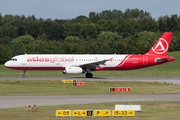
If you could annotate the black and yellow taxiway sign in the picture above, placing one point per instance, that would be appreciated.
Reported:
(123, 113)
(63, 113)
(68, 81)
(102, 113)
(82, 113)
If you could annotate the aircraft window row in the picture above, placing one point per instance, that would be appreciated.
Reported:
(125, 60)
(87, 60)
(112, 60)
(13, 59)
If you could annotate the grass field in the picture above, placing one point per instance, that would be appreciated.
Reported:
(37, 87)
(167, 69)
(150, 111)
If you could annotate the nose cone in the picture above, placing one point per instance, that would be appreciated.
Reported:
(7, 64)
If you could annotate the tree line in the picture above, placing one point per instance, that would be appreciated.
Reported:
(133, 31)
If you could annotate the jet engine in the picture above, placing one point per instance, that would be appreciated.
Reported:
(73, 70)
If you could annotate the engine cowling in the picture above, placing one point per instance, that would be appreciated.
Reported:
(73, 70)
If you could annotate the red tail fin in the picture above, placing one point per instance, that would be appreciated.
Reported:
(162, 45)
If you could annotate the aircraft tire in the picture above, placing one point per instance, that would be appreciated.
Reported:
(23, 76)
(89, 75)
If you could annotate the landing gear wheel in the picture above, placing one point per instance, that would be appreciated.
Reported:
(23, 76)
(89, 75)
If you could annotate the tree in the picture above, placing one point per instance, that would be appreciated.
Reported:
(147, 24)
(120, 47)
(173, 23)
(66, 48)
(16, 47)
(93, 17)
(123, 27)
(21, 30)
(5, 53)
(26, 39)
(178, 42)
(7, 19)
(109, 36)
(72, 39)
(162, 24)
(1, 18)
(9, 30)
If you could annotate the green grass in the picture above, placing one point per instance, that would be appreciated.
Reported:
(40, 87)
(168, 69)
(150, 111)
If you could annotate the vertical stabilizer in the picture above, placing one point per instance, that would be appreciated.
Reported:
(162, 45)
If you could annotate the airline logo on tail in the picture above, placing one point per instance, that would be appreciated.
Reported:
(161, 46)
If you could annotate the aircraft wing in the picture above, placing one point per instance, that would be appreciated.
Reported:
(93, 65)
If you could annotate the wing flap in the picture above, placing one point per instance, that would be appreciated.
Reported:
(94, 65)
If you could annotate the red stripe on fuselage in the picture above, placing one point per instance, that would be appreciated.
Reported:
(123, 61)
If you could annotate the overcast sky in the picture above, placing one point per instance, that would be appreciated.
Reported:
(68, 9)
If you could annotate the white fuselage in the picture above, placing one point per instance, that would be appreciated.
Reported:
(61, 60)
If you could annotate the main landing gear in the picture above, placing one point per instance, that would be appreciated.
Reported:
(24, 74)
(89, 75)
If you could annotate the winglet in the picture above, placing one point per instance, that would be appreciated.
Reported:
(162, 45)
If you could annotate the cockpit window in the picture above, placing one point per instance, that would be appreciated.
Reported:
(13, 59)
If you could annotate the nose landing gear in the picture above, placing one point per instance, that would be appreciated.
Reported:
(24, 74)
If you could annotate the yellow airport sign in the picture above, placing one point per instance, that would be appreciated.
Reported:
(63, 113)
(79, 112)
(82, 113)
(68, 81)
(102, 112)
(123, 113)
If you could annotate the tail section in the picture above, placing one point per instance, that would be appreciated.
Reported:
(162, 45)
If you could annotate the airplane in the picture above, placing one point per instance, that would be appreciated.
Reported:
(85, 63)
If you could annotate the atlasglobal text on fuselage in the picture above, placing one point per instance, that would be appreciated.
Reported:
(85, 63)
(51, 59)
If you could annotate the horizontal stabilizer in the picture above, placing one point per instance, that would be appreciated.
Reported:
(163, 59)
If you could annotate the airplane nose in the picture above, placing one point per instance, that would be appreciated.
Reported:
(6, 64)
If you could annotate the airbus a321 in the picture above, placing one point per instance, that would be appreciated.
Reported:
(85, 63)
